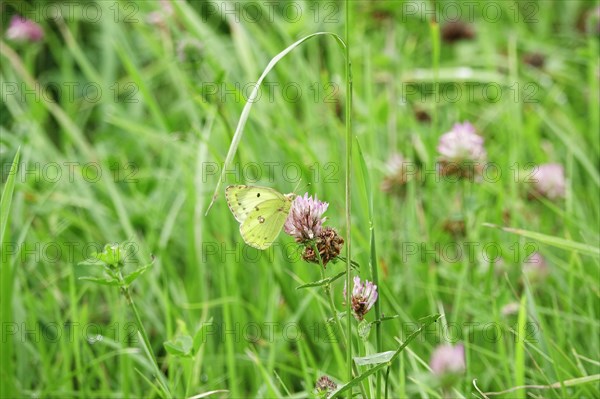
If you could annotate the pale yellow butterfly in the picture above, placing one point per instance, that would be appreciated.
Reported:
(261, 211)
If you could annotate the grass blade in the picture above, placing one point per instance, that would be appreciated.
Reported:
(6, 280)
(239, 130)
(7, 194)
(551, 240)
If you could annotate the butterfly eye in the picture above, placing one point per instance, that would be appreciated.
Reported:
(257, 195)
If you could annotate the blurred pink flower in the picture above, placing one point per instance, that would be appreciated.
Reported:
(24, 30)
(398, 172)
(461, 144)
(535, 268)
(364, 297)
(160, 16)
(304, 222)
(448, 359)
(510, 309)
(549, 181)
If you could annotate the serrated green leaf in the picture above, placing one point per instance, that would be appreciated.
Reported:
(376, 358)
(135, 274)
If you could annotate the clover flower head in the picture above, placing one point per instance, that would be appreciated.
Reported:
(448, 359)
(159, 17)
(305, 220)
(325, 386)
(461, 144)
(364, 297)
(549, 181)
(24, 30)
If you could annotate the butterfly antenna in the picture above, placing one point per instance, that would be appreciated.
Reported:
(297, 185)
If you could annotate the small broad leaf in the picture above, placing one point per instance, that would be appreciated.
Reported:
(101, 280)
(180, 346)
(364, 329)
(376, 358)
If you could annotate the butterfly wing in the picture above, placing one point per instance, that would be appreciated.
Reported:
(263, 224)
(242, 199)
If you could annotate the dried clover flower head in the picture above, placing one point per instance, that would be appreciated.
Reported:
(329, 244)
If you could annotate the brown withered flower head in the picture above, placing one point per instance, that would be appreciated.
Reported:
(328, 242)
(454, 31)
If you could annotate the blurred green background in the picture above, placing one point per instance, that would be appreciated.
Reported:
(124, 112)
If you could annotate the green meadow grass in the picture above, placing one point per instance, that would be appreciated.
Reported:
(139, 144)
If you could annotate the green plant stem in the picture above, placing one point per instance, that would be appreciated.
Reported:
(159, 375)
(327, 289)
(333, 309)
(378, 329)
(348, 192)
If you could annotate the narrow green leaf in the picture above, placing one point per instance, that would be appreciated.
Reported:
(324, 281)
(7, 195)
(199, 336)
(520, 347)
(365, 177)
